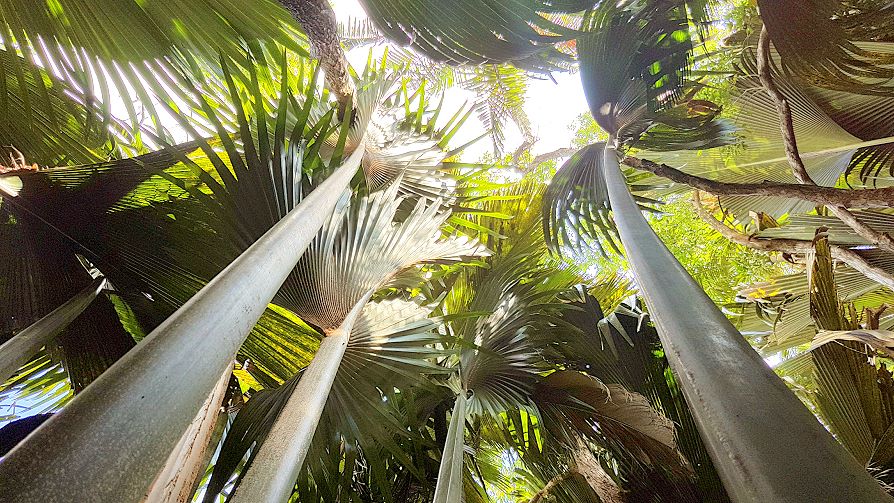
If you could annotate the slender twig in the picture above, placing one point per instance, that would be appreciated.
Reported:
(880, 239)
(865, 198)
(791, 246)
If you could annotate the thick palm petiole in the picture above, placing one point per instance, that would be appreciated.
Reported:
(97, 426)
(765, 444)
(272, 474)
(450, 474)
(18, 350)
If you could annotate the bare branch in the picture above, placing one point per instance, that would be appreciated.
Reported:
(880, 239)
(791, 246)
(782, 107)
(866, 198)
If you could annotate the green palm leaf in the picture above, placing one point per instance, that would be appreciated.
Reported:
(478, 32)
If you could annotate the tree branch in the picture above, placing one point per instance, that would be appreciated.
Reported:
(317, 19)
(782, 107)
(555, 154)
(791, 246)
(864, 198)
(880, 239)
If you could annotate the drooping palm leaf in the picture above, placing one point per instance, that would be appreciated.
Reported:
(622, 348)
(832, 60)
(478, 32)
(616, 412)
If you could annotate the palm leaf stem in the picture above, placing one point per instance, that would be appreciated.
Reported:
(792, 246)
(765, 444)
(449, 488)
(18, 350)
(95, 431)
(865, 198)
(880, 239)
(186, 465)
(274, 470)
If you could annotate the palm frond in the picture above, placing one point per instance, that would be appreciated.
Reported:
(360, 249)
(576, 208)
(575, 205)
(803, 227)
(476, 33)
(633, 63)
(833, 60)
(615, 411)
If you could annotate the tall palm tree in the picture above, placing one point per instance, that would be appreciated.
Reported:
(224, 217)
(634, 63)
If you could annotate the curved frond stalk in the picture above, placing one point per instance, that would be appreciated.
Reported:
(449, 488)
(22, 347)
(757, 459)
(390, 347)
(280, 458)
(117, 465)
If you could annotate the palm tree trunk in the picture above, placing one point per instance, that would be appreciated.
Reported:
(585, 464)
(274, 470)
(602, 484)
(765, 444)
(553, 482)
(18, 350)
(319, 24)
(178, 479)
(112, 440)
(449, 488)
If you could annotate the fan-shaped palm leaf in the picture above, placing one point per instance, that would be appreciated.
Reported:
(478, 32)
(834, 59)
